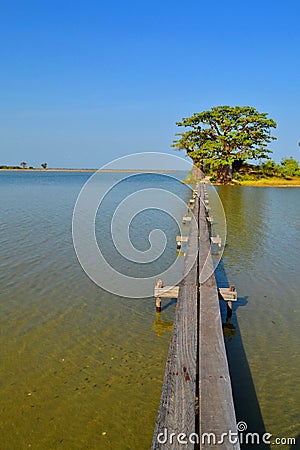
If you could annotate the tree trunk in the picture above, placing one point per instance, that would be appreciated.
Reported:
(224, 173)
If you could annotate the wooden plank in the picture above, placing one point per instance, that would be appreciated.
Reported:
(177, 409)
(216, 240)
(197, 339)
(166, 292)
(182, 238)
(159, 284)
(228, 294)
(216, 408)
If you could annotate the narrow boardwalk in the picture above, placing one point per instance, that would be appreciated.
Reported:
(196, 406)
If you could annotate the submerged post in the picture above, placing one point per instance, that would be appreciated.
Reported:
(159, 284)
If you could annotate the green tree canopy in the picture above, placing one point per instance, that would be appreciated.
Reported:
(289, 167)
(225, 135)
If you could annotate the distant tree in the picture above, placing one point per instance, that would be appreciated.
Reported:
(225, 136)
(289, 167)
(270, 168)
(44, 165)
(23, 165)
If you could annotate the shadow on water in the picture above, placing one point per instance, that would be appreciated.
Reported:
(245, 399)
(297, 444)
(172, 301)
(160, 326)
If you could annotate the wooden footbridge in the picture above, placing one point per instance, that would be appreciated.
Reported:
(196, 408)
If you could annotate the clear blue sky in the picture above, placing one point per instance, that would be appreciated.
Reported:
(84, 82)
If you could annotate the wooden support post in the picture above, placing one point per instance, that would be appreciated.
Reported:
(229, 310)
(186, 219)
(159, 284)
(229, 295)
(167, 292)
(158, 304)
(217, 240)
(180, 239)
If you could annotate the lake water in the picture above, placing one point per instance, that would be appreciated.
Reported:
(82, 368)
(262, 258)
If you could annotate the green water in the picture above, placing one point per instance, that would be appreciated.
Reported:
(262, 259)
(80, 368)
(83, 369)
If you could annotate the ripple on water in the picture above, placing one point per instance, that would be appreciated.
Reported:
(81, 368)
(261, 259)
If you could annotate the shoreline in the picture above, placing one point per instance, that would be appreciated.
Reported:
(47, 170)
(265, 182)
(65, 170)
(94, 170)
(258, 184)
(270, 185)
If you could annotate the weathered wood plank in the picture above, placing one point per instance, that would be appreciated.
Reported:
(196, 344)
(177, 409)
(216, 408)
(166, 291)
(216, 240)
(228, 294)
(182, 238)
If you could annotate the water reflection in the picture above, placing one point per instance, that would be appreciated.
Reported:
(160, 326)
(228, 328)
(262, 259)
(245, 210)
